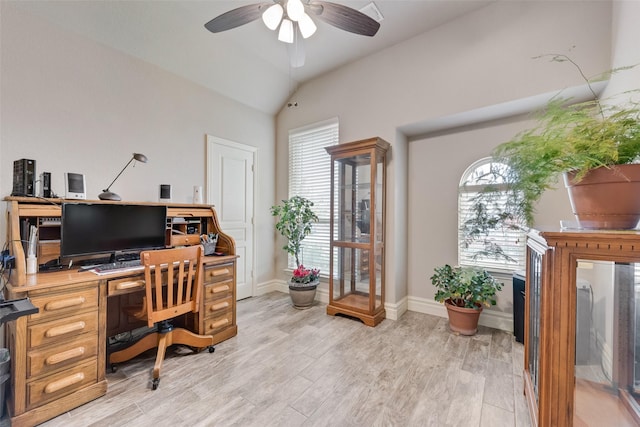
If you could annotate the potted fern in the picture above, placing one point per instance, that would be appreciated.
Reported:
(295, 218)
(588, 144)
(464, 291)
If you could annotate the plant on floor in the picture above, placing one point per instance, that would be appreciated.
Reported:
(295, 217)
(569, 138)
(464, 290)
(466, 287)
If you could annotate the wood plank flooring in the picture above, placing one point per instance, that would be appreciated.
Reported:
(290, 368)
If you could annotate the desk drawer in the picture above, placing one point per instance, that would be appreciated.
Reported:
(126, 285)
(217, 307)
(64, 303)
(55, 386)
(216, 324)
(53, 358)
(219, 290)
(185, 239)
(62, 329)
(218, 273)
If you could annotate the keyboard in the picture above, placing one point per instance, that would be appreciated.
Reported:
(120, 265)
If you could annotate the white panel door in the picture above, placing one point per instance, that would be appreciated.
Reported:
(230, 175)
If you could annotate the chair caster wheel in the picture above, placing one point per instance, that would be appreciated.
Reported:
(211, 349)
(155, 383)
(114, 368)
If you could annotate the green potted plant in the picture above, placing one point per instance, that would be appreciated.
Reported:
(585, 143)
(295, 218)
(464, 291)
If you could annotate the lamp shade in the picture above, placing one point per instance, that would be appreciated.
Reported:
(286, 31)
(307, 26)
(272, 16)
(295, 9)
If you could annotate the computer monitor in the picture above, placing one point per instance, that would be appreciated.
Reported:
(95, 228)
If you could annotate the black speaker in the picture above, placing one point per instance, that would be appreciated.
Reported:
(165, 192)
(519, 301)
(24, 172)
(45, 180)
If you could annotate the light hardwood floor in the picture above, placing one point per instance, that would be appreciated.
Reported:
(303, 368)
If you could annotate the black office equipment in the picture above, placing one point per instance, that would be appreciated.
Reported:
(24, 172)
(95, 228)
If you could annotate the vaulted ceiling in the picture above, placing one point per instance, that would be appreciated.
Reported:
(248, 63)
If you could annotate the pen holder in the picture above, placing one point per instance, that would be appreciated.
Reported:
(210, 247)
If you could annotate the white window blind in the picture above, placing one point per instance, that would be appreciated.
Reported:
(512, 240)
(310, 177)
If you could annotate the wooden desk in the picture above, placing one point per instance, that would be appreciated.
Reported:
(59, 355)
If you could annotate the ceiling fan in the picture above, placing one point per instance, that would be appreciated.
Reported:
(294, 19)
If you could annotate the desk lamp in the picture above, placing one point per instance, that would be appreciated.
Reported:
(108, 195)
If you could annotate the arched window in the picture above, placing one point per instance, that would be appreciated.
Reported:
(501, 249)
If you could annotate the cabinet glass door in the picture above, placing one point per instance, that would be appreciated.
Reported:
(352, 245)
(607, 344)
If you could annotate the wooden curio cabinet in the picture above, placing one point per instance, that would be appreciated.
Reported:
(356, 285)
(582, 328)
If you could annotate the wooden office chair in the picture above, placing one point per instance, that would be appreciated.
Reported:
(172, 285)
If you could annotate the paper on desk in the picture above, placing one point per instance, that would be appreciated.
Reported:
(33, 236)
(117, 270)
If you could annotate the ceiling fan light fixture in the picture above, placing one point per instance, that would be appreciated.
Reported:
(272, 16)
(286, 31)
(295, 9)
(307, 26)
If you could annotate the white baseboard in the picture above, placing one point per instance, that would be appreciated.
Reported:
(490, 318)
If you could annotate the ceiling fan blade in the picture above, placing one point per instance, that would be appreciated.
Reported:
(236, 17)
(296, 49)
(344, 17)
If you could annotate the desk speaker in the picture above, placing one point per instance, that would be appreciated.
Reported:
(165, 193)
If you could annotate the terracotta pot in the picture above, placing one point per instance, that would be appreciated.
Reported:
(463, 320)
(302, 297)
(606, 198)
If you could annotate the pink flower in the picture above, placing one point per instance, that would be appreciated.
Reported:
(304, 275)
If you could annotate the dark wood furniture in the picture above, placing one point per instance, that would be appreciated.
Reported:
(59, 354)
(588, 378)
(358, 176)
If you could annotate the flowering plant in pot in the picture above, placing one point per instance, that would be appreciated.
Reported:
(295, 218)
(305, 276)
(464, 291)
(577, 142)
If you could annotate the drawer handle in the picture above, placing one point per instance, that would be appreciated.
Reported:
(220, 305)
(218, 323)
(64, 329)
(65, 382)
(220, 272)
(218, 289)
(130, 285)
(65, 355)
(65, 303)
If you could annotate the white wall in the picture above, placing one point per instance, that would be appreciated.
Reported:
(75, 105)
(625, 52)
(478, 60)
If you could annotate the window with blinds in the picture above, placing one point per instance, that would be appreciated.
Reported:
(510, 240)
(310, 177)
